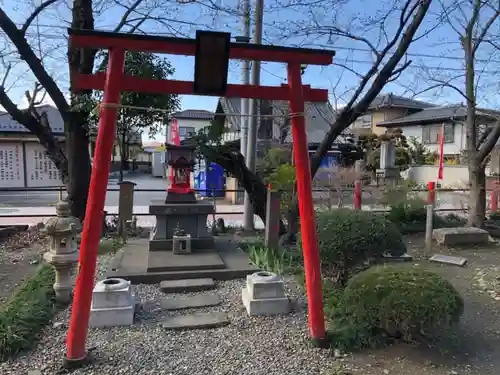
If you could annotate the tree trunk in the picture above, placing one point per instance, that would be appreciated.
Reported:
(79, 168)
(477, 198)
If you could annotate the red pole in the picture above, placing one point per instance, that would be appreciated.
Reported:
(431, 192)
(77, 333)
(357, 195)
(493, 201)
(306, 207)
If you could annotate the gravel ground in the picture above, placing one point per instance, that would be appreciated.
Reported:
(247, 346)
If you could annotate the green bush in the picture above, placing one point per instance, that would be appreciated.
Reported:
(347, 239)
(27, 311)
(394, 302)
(283, 180)
(410, 216)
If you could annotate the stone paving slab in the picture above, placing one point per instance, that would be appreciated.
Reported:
(448, 259)
(196, 321)
(167, 261)
(187, 285)
(460, 236)
(131, 263)
(190, 302)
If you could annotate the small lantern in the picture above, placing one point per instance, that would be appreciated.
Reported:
(182, 160)
(63, 248)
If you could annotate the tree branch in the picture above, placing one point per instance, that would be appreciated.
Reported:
(484, 31)
(28, 55)
(35, 14)
(488, 144)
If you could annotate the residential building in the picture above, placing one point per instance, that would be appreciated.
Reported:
(386, 107)
(426, 124)
(23, 160)
(275, 122)
(190, 121)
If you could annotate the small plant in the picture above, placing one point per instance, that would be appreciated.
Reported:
(348, 239)
(279, 261)
(179, 232)
(27, 311)
(394, 302)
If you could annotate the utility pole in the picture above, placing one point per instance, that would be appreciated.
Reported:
(248, 223)
(245, 76)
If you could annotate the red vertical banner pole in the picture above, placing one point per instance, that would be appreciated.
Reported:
(306, 207)
(92, 227)
(494, 197)
(357, 195)
(431, 192)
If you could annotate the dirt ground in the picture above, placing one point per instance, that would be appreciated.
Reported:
(19, 258)
(473, 347)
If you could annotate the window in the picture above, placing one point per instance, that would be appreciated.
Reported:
(431, 133)
(185, 131)
(364, 121)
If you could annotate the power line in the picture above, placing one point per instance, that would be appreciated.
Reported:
(357, 49)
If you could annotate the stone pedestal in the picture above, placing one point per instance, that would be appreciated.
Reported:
(113, 304)
(264, 294)
(191, 217)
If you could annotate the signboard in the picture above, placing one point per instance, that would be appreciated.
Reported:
(11, 165)
(40, 170)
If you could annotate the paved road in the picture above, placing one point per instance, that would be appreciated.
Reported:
(48, 198)
(142, 198)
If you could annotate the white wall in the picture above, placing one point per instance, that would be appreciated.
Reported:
(11, 165)
(454, 148)
(454, 176)
(39, 171)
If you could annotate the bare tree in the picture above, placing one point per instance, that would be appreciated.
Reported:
(388, 64)
(73, 160)
(472, 21)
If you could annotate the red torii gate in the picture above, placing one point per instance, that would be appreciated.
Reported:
(212, 51)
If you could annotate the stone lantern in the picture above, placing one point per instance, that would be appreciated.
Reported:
(63, 249)
(182, 160)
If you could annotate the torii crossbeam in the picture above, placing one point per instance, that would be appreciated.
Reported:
(212, 51)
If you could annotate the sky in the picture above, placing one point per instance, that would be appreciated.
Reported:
(435, 56)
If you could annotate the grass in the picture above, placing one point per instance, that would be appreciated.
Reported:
(26, 313)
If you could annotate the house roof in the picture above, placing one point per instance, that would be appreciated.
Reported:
(194, 114)
(396, 101)
(436, 114)
(319, 116)
(9, 125)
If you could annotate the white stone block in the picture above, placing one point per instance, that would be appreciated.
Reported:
(115, 317)
(264, 294)
(113, 304)
(265, 307)
(112, 293)
(261, 285)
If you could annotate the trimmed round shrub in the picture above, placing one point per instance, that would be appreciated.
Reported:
(400, 302)
(348, 238)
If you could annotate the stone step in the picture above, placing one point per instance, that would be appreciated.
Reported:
(190, 302)
(186, 285)
(196, 321)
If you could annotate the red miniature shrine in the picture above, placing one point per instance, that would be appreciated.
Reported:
(181, 160)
